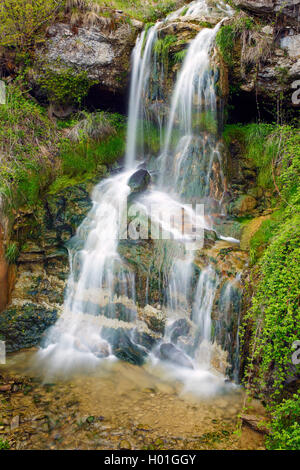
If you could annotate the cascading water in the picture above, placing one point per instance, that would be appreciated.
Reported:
(100, 298)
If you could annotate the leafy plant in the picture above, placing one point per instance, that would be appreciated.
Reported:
(285, 430)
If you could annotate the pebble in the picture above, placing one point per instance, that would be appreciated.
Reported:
(15, 422)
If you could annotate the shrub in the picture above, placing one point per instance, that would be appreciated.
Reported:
(21, 22)
(285, 429)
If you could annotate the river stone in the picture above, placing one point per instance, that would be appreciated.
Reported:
(139, 181)
(123, 347)
(169, 352)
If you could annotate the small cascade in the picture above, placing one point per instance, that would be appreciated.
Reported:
(102, 317)
(139, 89)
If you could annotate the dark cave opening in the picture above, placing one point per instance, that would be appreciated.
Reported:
(101, 99)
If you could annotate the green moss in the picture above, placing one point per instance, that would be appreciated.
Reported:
(139, 9)
(65, 86)
(225, 41)
(179, 56)
(83, 158)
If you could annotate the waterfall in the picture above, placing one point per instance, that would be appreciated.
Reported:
(101, 293)
(141, 70)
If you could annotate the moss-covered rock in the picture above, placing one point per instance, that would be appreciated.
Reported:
(23, 327)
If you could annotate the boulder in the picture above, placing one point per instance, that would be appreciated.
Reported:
(287, 8)
(123, 347)
(102, 52)
(139, 181)
(169, 352)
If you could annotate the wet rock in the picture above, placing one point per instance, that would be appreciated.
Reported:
(123, 347)
(179, 328)
(169, 352)
(155, 319)
(23, 327)
(101, 349)
(139, 181)
(256, 423)
(144, 339)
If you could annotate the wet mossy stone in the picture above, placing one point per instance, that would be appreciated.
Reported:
(139, 181)
(66, 210)
(123, 347)
(23, 327)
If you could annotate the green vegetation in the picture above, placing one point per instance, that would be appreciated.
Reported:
(225, 41)
(149, 10)
(28, 141)
(4, 445)
(96, 140)
(37, 155)
(285, 425)
(65, 86)
(12, 253)
(274, 314)
(22, 22)
(260, 144)
(179, 56)
(162, 47)
(254, 45)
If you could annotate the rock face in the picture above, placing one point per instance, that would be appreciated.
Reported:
(288, 8)
(43, 267)
(103, 54)
(24, 327)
